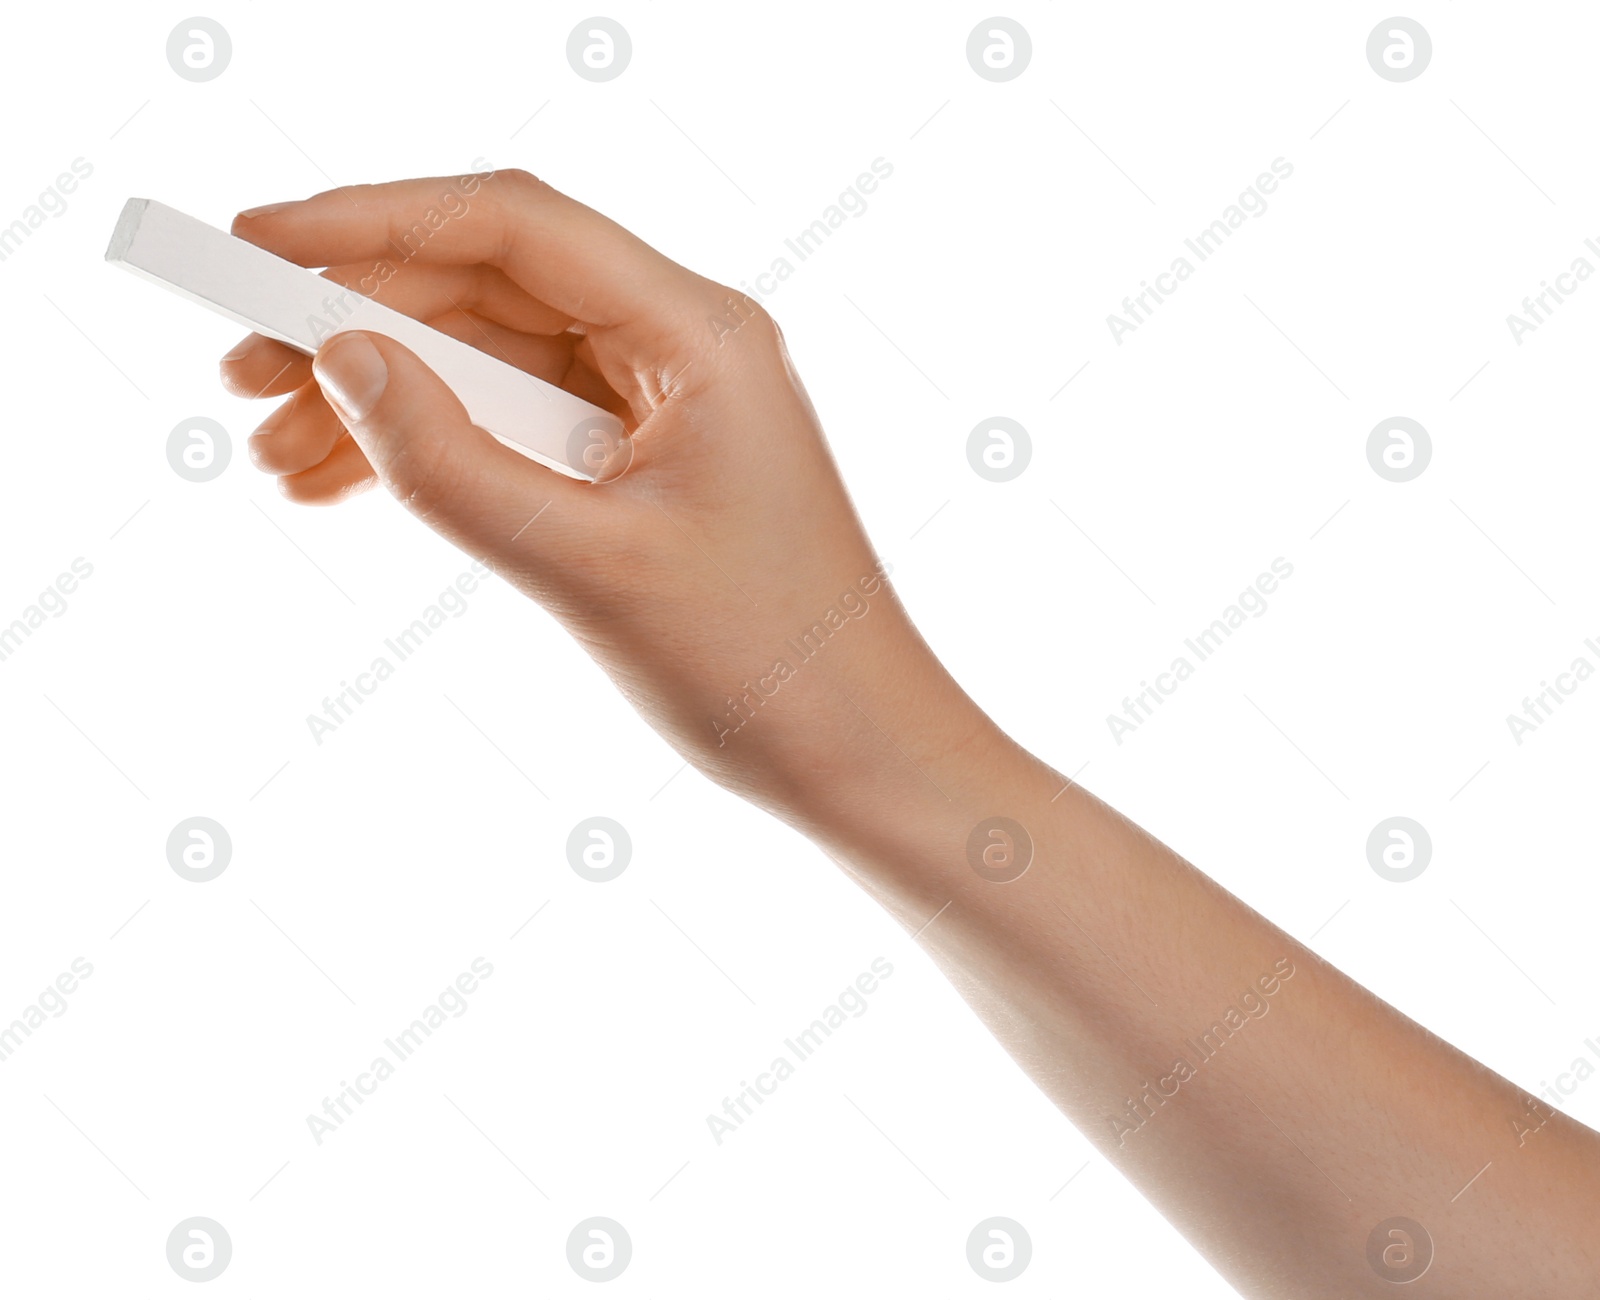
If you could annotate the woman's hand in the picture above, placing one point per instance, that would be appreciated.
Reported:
(718, 571)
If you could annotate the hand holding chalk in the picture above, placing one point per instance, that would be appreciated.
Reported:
(719, 546)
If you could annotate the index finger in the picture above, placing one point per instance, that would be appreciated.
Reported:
(560, 251)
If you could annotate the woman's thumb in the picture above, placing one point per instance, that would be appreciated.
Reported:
(452, 475)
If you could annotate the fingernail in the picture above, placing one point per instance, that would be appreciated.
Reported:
(276, 419)
(351, 373)
(243, 348)
(267, 209)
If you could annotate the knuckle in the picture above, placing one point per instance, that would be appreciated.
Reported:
(509, 194)
(513, 187)
(515, 178)
(735, 316)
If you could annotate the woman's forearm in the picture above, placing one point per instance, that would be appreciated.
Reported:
(1278, 1113)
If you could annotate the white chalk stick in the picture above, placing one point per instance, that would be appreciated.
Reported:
(302, 309)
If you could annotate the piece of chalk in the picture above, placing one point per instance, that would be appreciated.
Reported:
(302, 309)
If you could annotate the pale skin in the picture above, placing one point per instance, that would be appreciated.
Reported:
(722, 529)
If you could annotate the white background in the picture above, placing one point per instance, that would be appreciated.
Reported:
(370, 870)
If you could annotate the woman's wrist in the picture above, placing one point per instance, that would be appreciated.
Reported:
(914, 767)
(865, 744)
